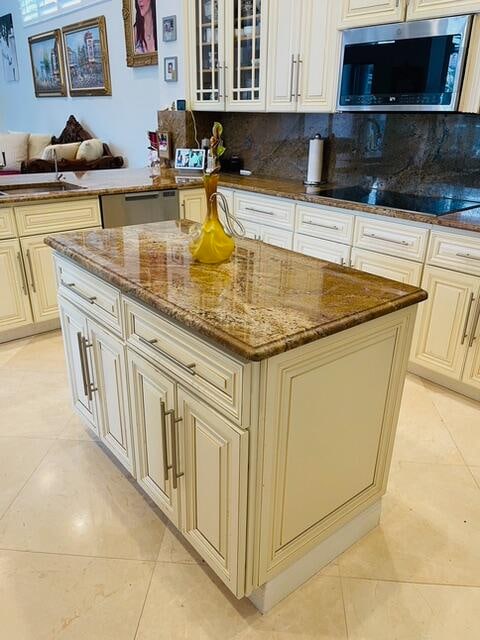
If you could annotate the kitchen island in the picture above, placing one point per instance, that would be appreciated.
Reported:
(254, 401)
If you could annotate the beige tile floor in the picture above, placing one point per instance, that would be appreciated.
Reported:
(84, 555)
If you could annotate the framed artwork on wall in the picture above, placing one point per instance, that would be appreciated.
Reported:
(48, 67)
(169, 28)
(140, 23)
(8, 50)
(86, 50)
(170, 69)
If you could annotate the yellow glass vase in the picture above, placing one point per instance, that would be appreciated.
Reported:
(213, 245)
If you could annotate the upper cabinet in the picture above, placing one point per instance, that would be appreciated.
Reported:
(228, 62)
(304, 47)
(365, 13)
(425, 9)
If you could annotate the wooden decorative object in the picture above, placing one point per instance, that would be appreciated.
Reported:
(136, 57)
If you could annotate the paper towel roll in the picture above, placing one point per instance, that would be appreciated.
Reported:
(315, 161)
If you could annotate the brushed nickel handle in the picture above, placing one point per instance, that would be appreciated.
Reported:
(322, 226)
(292, 76)
(163, 421)
(474, 326)
(30, 266)
(225, 77)
(82, 362)
(220, 90)
(468, 255)
(300, 62)
(22, 273)
(189, 368)
(268, 213)
(404, 243)
(173, 434)
(71, 286)
(89, 386)
(465, 328)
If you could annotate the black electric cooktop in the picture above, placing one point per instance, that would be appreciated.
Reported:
(407, 202)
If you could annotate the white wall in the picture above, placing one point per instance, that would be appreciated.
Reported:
(121, 119)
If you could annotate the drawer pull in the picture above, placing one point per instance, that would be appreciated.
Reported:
(474, 326)
(465, 328)
(468, 255)
(322, 226)
(404, 243)
(269, 213)
(189, 368)
(71, 286)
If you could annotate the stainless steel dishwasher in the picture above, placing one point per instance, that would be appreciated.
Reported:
(123, 209)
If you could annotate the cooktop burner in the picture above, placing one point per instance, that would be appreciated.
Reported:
(405, 201)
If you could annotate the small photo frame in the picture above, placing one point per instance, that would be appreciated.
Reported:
(170, 69)
(164, 144)
(169, 28)
(190, 159)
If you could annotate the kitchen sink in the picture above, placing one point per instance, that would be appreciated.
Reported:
(37, 188)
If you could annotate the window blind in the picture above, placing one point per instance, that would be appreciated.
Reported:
(36, 10)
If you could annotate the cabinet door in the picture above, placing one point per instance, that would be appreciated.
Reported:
(110, 383)
(441, 332)
(206, 58)
(193, 204)
(424, 9)
(42, 282)
(364, 13)
(215, 464)
(471, 374)
(277, 237)
(246, 33)
(318, 65)
(152, 396)
(283, 48)
(323, 249)
(77, 354)
(14, 303)
(252, 229)
(387, 266)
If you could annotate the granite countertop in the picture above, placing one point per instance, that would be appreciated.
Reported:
(264, 301)
(96, 183)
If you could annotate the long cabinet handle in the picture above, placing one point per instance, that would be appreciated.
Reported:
(220, 90)
(83, 363)
(225, 80)
(465, 328)
(476, 318)
(269, 213)
(30, 266)
(22, 273)
(322, 226)
(163, 419)
(467, 255)
(404, 243)
(71, 286)
(292, 78)
(189, 368)
(173, 436)
(299, 67)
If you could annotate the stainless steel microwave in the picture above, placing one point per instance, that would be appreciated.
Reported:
(409, 66)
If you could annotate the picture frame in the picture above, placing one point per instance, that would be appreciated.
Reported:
(170, 69)
(86, 54)
(164, 144)
(8, 49)
(141, 46)
(169, 28)
(190, 159)
(48, 64)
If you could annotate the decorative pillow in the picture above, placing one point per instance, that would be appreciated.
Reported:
(90, 150)
(15, 146)
(64, 151)
(37, 144)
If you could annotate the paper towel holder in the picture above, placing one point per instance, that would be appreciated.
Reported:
(314, 173)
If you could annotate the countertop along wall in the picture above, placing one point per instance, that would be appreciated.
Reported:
(121, 120)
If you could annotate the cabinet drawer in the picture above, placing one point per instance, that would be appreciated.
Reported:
(392, 238)
(7, 224)
(87, 291)
(323, 249)
(325, 223)
(53, 217)
(387, 266)
(272, 211)
(457, 252)
(201, 366)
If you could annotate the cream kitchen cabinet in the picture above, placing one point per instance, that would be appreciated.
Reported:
(227, 54)
(425, 9)
(14, 301)
(41, 279)
(387, 266)
(323, 249)
(471, 373)
(365, 13)
(303, 39)
(193, 204)
(267, 234)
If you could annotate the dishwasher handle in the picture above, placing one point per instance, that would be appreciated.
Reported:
(148, 195)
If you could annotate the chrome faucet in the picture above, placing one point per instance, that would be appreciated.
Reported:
(58, 176)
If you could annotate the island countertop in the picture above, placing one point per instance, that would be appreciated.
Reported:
(263, 301)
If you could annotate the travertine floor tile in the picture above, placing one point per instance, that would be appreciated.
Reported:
(421, 434)
(174, 548)
(45, 597)
(429, 532)
(79, 502)
(19, 457)
(9, 349)
(387, 610)
(43, 353)
(76, 429)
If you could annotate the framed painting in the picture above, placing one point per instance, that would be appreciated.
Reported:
(140, 22)
(86, 51)
(8, 50)
(48, 66)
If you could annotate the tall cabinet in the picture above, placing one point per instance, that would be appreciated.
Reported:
(228, 45)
